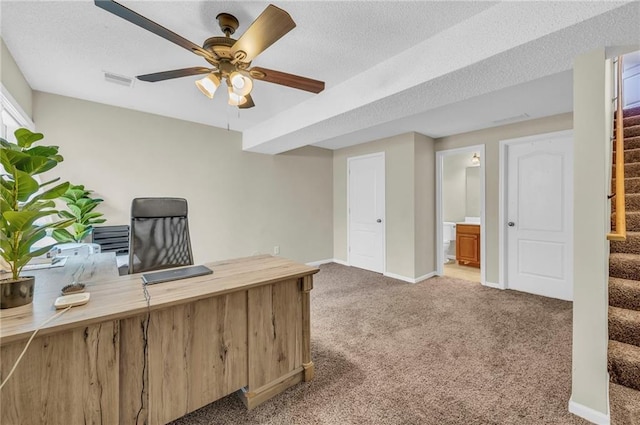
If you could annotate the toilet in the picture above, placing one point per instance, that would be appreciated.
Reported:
(448, 236)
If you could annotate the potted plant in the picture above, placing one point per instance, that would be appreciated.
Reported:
(81, 207)
(23, 203)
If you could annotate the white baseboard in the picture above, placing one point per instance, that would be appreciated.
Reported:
(493, 285)
(341, 262)
(327, 261)
(410, 279)
(321, 262)
(425, 277)
(588, 413)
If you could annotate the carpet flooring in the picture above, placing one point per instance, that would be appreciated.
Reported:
(443, 351)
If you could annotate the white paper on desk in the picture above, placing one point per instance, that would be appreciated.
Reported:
(58, 262)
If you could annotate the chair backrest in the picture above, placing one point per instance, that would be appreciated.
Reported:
(159, 236)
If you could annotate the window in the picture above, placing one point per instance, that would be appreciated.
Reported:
(12, 116)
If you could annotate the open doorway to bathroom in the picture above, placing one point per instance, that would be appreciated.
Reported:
(460, 230)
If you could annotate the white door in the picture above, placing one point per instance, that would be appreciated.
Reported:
(366, 212)
(539, 216)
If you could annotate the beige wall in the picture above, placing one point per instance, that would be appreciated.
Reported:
(240, 203)
(425, 216)
(490, 138)
(409, 238)
(592, 112)
(399, 205)
(14, 81)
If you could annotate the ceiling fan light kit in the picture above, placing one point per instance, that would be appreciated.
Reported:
(209, 84)
(236, 99)
(230, 58)
(241, 82)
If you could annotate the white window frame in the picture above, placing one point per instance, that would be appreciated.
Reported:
(13, 108)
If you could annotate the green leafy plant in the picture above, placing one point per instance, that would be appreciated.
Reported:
(23, 200)
(81, 207)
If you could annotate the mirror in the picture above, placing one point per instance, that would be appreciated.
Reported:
(472, 189)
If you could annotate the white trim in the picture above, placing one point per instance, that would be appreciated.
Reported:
(439, 248)
(425, 277)
(502, 195)
(502, 199)
(320, 262)
(384, 213)
(493, 285)
(483, 238)
(410, 279)
(13, 107)
(341, 262)
(588, 413)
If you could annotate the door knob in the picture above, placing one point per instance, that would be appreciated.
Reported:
(511, 224)
(379, 220)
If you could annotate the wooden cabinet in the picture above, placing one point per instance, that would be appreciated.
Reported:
(468, 244)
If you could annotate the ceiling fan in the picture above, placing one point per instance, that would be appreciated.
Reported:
(230, 58)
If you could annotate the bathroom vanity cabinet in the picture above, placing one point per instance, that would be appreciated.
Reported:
(468, 244)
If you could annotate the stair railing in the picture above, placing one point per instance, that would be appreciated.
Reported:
(620, 233)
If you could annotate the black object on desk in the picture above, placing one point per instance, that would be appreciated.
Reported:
(175, 274)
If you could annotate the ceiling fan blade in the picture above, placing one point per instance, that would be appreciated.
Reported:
(139, 20)
(268, 28)
(176, 73)
(289, 80)
(248, 104)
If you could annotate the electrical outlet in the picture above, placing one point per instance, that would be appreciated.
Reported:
(276, 250)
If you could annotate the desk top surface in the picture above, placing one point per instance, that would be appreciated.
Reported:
(115, 297)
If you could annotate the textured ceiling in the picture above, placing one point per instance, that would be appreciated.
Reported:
(390, 67)
(331, 42)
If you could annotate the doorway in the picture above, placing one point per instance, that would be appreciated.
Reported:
(460, 213)
(536, 214)
(366, 212)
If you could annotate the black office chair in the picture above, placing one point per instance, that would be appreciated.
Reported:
(159, 236)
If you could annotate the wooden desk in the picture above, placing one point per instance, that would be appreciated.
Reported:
(245, 328)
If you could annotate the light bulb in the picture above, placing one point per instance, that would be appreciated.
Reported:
(235, 99)
(241, 83)
(208, 85)
(475, 159)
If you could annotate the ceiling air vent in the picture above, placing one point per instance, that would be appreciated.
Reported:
(118, 79)
(511, 119)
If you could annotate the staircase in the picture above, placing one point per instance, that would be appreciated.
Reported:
(624, 289)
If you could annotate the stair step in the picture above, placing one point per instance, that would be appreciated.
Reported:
(624, 293)
(632, 202)
(631, 169)
(624, 266)
(630, 246)
(624, 364)
(629, 112)
(624, 325)
(632, 131)
(631, 184)
(625, 405)
(629, 143)
(630, 156)
(629, 121)
(632, 219)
